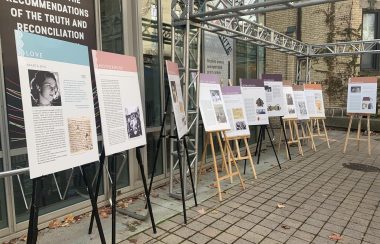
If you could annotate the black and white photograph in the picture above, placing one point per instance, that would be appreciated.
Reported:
(240, 125)
(219, 112)
(268, 88)
(44, 88)
(215, 95)
(174, 91)
(289, 99)
(356, 89)
(260, 111)
(260, 102)
(291, 111)
(133, 122)
(302, 107)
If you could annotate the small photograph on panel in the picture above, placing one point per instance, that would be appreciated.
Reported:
(44, 88)
(220, 115)
(133, 117)
(215, 96)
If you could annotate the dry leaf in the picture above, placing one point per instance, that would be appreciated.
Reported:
(214, 185)
(134, 241)
(279, 205)
(335, 237)
(201, 211)
(23, 238)
(103, 214)
(69, 219)
(54, 224)
(214, 212)
(286, 227)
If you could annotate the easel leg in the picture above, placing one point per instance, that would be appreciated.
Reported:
(203, 160)
(181, 179)
(359, 131)
(93, 203)
(348, 134)
(250, 158)
(298, 138)
(369, 133)
(112, 165)
(228, 161)
(223, 152)
(260, 142)
(285, 138)
(215, 167)
(326, 136)
(274, 150)
(191, 174)
(311, 137)
(34, 209)
(147, 193)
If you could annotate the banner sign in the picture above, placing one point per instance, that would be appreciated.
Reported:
(274, 94)
(362, 95)
(57, 102)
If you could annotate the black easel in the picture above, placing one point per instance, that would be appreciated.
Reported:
(264, 128)
(34, 209)
(163, 136)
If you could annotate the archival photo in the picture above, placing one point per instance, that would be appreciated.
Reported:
(240, 125)
(133, 122)
(238, 113)
(302, 107)
(219, 112)
(44, 88)
(80, 134)
(174, 91)
(215, 95)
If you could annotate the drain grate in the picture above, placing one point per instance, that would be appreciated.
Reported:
(361, 167)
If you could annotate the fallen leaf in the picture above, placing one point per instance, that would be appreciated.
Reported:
(54, 224)
(279, 205)
(134, 241)
(335, 237)
(214, 185)
(103, 214)
(69, 219)
(23, 238)
(286, 227)
(201, 211)
(215, 212)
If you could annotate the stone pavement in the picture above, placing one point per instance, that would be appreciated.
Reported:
(310, 199)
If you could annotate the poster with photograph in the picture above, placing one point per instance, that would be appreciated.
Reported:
(120, 104)
(236, 115)
(211, 104)
(255, 102)
(57, 102)
(290, 112)
(274, 95)
(362, 95)
(178, 104)
(300, 102)
(314, 100)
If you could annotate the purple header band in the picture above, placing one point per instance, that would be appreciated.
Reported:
(252, 82)
(231, 90)
(209, 78)
(272, 77)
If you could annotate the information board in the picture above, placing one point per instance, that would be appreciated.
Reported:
(362, 95)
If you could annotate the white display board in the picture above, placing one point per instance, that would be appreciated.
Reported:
(362, 95)
(300, 102)
(120, 104)
(211, 103)
(236, 114)
(254, 101)
(57, 102)
(289, 101)
(314, 100)
(177, 98)
(274, 94)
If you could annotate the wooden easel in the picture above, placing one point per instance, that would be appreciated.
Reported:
(294, 135)
(357, 138)
(229, 173)
(307, 135)
(315, 122)
(238, 157)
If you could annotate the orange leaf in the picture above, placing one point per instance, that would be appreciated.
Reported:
(201, 211)
(54, 224)
(279, 205)
(335, 237)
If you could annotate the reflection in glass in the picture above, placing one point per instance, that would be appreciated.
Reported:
(122, 169)
(152, 140)
(3, 206)
(112, 26)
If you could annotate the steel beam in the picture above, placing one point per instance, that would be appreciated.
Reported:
(344, 48)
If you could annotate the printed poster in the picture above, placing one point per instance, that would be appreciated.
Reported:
(255, 102)
(57, 102)
(289, 101)
(177, 98)
(211, 104)
(362, 95)
(236, 114)
(274, 94)
(300, 101)
(120, 105)
(314, 100)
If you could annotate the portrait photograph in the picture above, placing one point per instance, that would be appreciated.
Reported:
(133, 122)
(44, 88)
(215, 96)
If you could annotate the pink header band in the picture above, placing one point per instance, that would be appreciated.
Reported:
(172, 68)
(231, 90)
(298, 88)
(113, 61)
(209, 78)
(363, 80)
(314, 87)
(287, 83)
(252, 82)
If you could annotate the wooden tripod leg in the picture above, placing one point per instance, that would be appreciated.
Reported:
(229, 162)
(250, 158)
(215, 167)
(348, 134)
(234, 161)
(279, 141)
(311, 138)
(298, 138)
(222, 151)
(326, 136)
(369, 133)
(318, 127)
(359, 130)
(204, 153)
(291, 130)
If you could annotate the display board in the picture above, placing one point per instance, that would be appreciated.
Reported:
(274, 94)
(289, 101)
(119, 101)
(211, 104)
(72, 21)
(254, 101)
(314, 100)
(362, 95)
(177, 98)
(300, 102)
(236, 114)
(57, 101)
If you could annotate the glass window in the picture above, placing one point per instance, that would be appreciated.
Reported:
(246, 60)
(152, 141)
(371, 30)
(112, 26)
(122, 169)
(3, 206)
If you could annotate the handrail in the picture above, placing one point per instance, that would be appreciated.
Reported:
(13, 172)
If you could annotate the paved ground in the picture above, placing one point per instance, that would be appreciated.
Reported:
(322, 193)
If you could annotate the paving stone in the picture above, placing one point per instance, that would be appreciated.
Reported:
(230, 219)
(295, 240)
(226, 237)
(304, 235)
(168, 225)
(269, 241)
(269, 223)
(172, 239)
(184, 232)
(236, 231)
(279, 236)
(253, 237)
(220, 225)
(261, 230)
(321, 240)
(245, 224)
(310, 228)
(196, 225)
(205, 219)
(199, 238)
